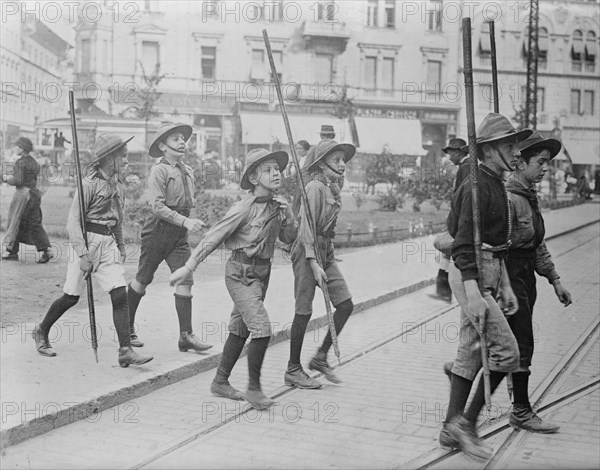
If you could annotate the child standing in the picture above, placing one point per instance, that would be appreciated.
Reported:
(249, 229)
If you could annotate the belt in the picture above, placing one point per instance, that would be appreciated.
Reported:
(98, 228)
(186, 211)
(241, 257)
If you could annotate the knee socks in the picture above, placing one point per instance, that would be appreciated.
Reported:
(56, 310)
(231, 353)
(118, 297)
(183, 305)
(297, 338)
(256, 355)
(340, 317)
(459, 394)
(479, 398)
(521, 388)
(133, 300)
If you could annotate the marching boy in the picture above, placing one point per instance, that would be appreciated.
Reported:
(165, 234)
(325, 203)
(249, 229)
(103, 198)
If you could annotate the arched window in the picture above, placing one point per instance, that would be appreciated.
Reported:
(577, 51)
(591, 51)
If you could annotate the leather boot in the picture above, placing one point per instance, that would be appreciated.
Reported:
(42, 344)
(320, 364)
(442, 287)
(128, 356)
(11, 257)
(226, 391)
(445, 440)
(523, 417)
(46, 256)
(298, 378)
(463, 432)
(258, 399)
(188, 340)
(133, 339)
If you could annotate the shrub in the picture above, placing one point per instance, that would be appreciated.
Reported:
(211, 208)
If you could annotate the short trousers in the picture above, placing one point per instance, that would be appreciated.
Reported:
(247, 285)
(305, 282)
(108, 269)
(163, 242)
(503, 351)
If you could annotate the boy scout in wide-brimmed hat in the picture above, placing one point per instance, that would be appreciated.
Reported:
(165, 233)
(250, 229)
(498, 151)
(25, 212)
(324, 202)
(103, 198)
(528, 255)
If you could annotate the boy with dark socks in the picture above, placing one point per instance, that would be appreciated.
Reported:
(165, 234)
(324, 204)
(497, 147)
(103, 197)
(250, 229)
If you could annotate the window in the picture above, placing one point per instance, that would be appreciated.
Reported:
(434, 75)
(388, 74)
(323, 67)
(258, 64)
(85, 55)
(485, 45)
(390, 13)
(273, 10)
(591, 51)
(150, 57)
(434, 16)
(208, 61)
(370, 72)
(541, 99)
(542, 49)
(575, 97)
(577, 51)
(588, 102)
(326, 11)
(372, 13)
(277, 59)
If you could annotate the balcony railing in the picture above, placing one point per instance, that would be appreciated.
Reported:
(326, 29)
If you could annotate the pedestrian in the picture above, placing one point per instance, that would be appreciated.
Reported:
(25, 211)
(324, 204)
(528, 255)
(460, 159)
(103, 196)
(250, 229)
(302, 149)
(497, 146)
(164, 236)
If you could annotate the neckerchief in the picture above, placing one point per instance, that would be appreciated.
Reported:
(331, 183)
(271, 225)
(530, 193)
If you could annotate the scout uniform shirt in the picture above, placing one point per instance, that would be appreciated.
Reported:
(171, 189)
(103, 200)
(528, 229)
(250, 225)
(325, 204)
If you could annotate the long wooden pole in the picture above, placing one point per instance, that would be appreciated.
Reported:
(468, 74)
(90, 291)
(309, 215)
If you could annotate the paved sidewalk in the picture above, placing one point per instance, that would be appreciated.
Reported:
(39, 393)
(385, 414)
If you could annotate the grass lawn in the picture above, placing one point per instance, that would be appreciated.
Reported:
(56, 203)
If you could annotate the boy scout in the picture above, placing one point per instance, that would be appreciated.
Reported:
(249, 229)
(165, 234)
(497, 145)
(325, 203)
(104, 257)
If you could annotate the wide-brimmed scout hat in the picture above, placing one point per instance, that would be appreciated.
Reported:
(496, 127)
(454, 144)
(256, 157)
(24, 143)
(327, 129)
(538, 142)
(325, 147)
(163, 131)
(106, 144)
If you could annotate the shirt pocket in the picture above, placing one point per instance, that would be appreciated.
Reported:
(174, 190)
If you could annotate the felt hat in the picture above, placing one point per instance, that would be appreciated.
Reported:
(256, 157)
(325, 147)
(454, 144)
(106, 144)
(538, 142)
(495, 127)
(24, 143)
(163, 131)
(327, 129)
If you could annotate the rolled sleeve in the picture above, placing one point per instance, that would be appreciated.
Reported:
(544, 265)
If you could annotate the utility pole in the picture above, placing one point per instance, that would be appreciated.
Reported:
(532, 67)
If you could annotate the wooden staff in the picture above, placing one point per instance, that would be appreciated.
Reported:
(90, 291)
(309, 216)
(468, 74)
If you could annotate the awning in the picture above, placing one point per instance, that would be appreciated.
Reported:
(400, 136)
(582, 151)
(485, 44)
(591, 48)
(267, 128)
(577, 48)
